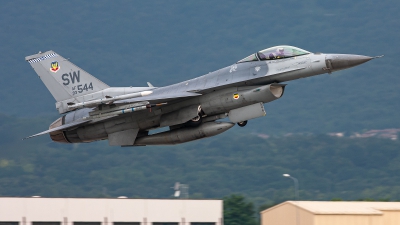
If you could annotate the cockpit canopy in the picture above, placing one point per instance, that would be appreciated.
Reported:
(277, 52)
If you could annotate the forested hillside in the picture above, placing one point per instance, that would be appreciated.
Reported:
(128, 43)
(327, 167)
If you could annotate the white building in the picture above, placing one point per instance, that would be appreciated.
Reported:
(103, 211)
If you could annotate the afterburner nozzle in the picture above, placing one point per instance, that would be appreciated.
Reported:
(336, 62)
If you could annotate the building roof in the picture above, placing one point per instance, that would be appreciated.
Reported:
(342, 207)
(105, 198)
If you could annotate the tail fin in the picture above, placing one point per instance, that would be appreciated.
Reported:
(63, 79)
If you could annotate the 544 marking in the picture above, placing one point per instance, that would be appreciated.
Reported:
(81, 88)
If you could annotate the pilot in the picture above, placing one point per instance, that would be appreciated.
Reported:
(280, 53)
(261, 56)
(271, 56)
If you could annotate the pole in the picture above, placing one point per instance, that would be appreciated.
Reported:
(296, 195)
(296, 188)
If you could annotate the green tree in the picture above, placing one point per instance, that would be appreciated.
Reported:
(267, 206)
(237, 211)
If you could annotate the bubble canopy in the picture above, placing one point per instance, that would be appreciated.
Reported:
(277, 52)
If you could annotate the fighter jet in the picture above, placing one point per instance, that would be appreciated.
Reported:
(192, 109)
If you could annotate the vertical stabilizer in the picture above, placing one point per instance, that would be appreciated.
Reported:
(63, 79)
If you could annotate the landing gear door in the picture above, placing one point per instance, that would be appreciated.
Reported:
(247, 113)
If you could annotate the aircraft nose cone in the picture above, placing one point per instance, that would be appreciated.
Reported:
(344, 61)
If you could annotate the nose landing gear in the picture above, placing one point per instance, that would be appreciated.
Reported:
(242, 124)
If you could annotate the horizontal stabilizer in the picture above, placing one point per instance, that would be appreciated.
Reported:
(62, 127)
(157, 98)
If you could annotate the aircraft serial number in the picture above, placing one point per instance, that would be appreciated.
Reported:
(81, 88)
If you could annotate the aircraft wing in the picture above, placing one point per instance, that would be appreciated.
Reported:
(153, 99)
(62, 127)
(159, 97)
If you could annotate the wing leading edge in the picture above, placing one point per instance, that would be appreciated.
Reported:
(158, 97)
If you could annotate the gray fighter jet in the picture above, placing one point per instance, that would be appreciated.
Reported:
(191, 109)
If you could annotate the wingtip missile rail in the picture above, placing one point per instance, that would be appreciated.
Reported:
(106, 100)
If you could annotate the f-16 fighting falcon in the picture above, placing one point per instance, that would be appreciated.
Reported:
(191, 109)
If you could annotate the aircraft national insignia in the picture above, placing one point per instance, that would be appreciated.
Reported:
(236, 96)
(54, 67)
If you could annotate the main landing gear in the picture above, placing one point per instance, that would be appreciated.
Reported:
(242, 124)
(195, 122)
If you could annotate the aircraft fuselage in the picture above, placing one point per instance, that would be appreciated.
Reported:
(190, 108)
